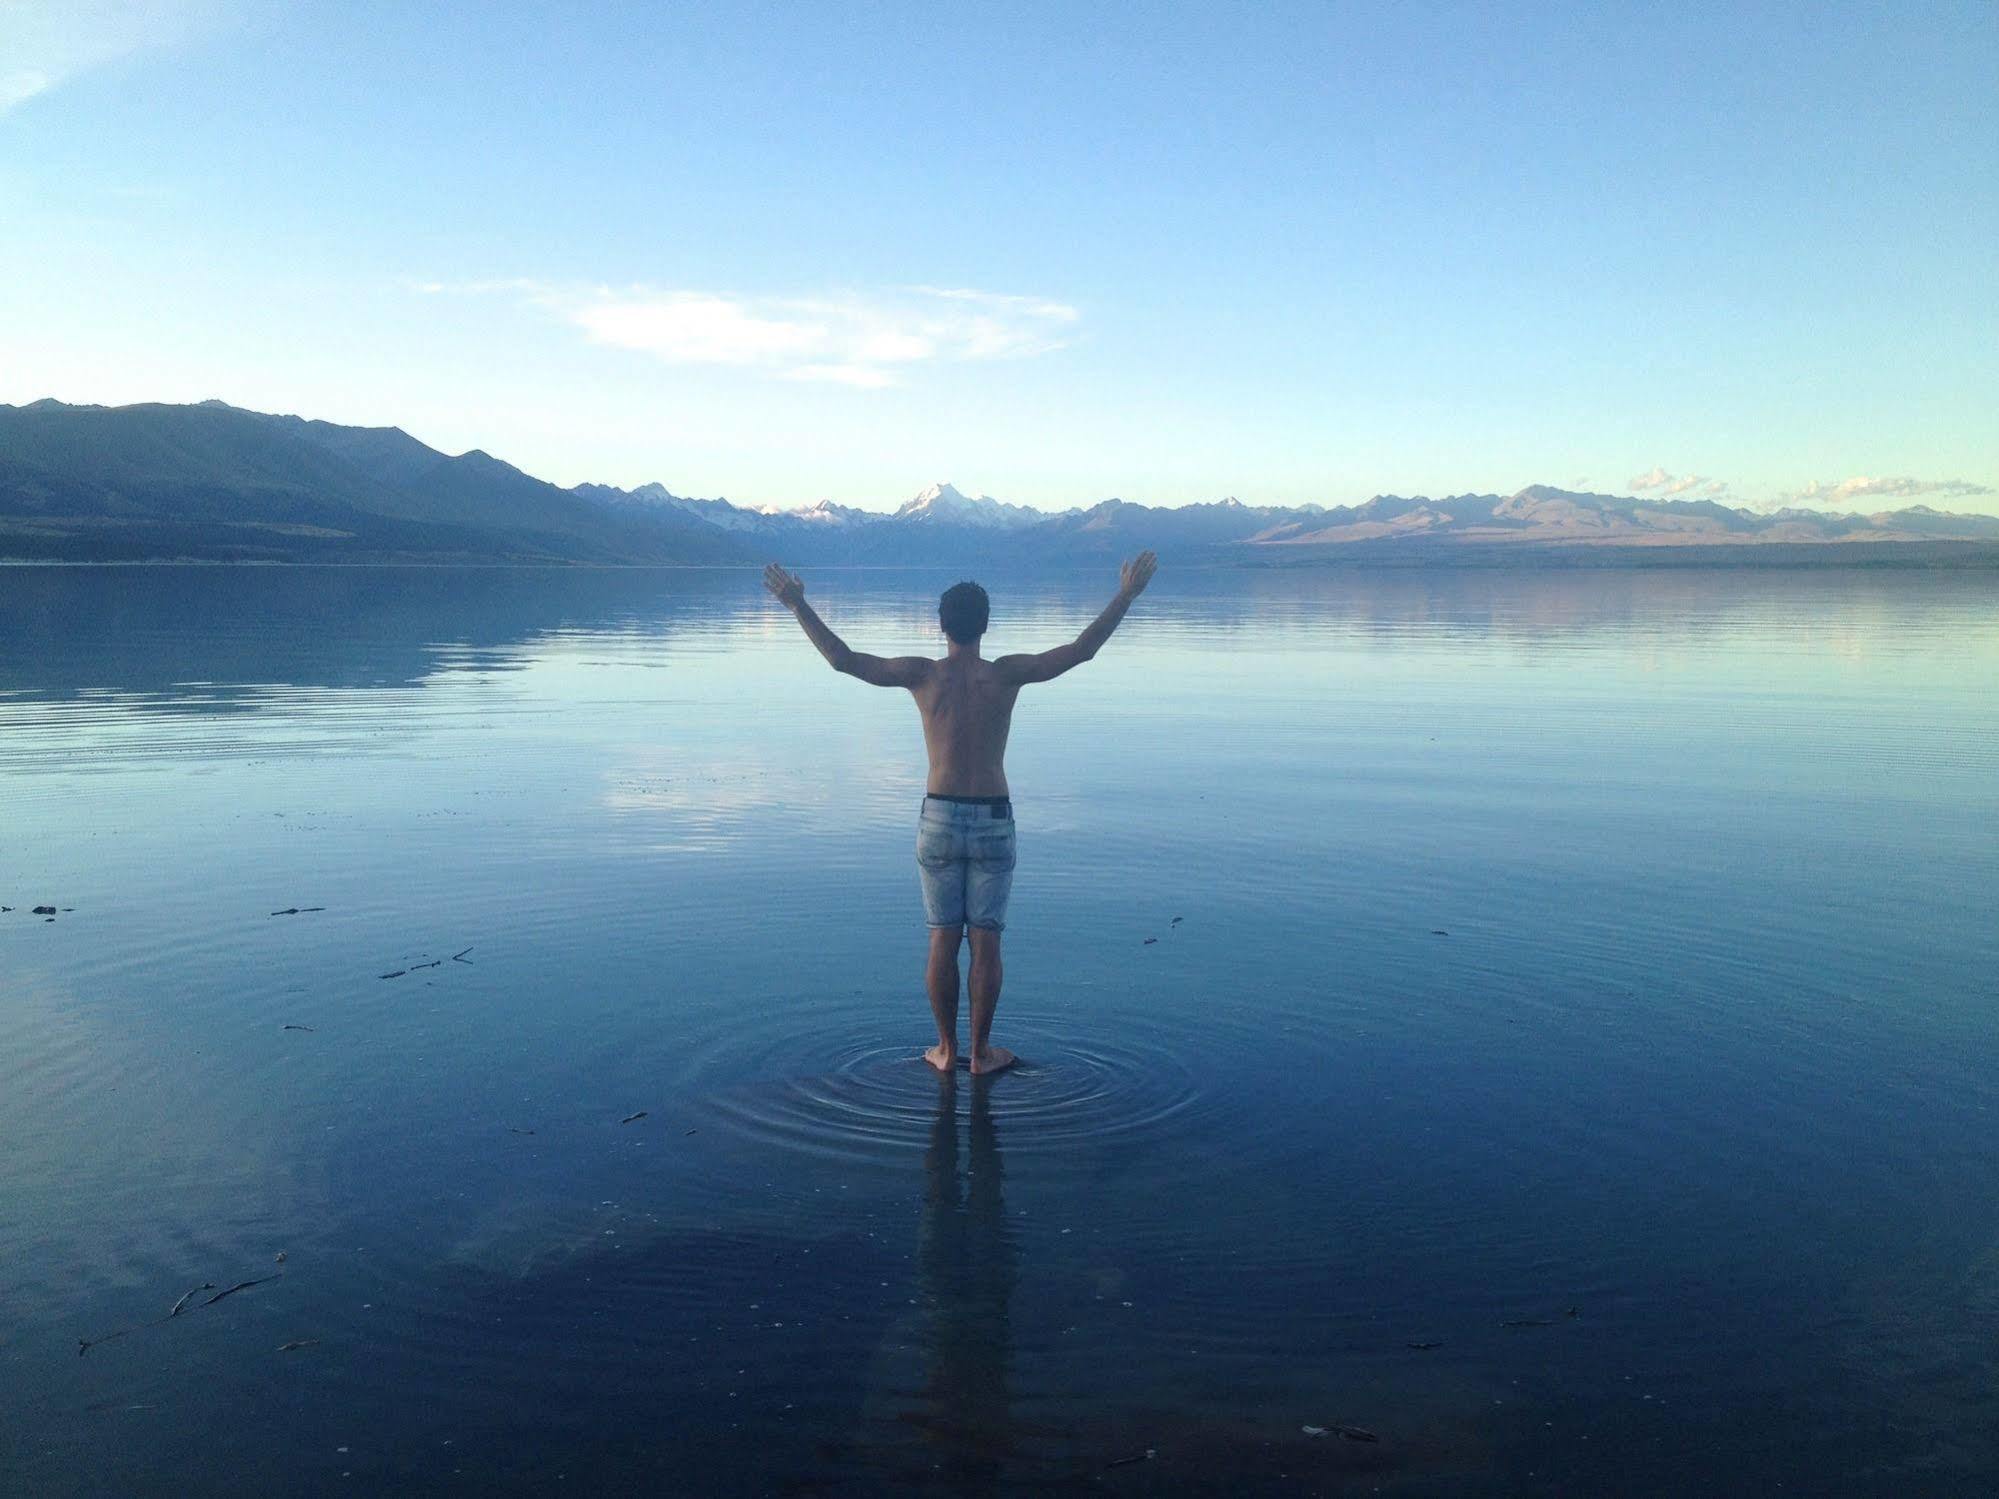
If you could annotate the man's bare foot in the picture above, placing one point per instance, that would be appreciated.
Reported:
(942, 1057)
(992, 1059)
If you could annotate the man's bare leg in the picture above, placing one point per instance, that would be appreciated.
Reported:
(986, 974)
(940, 975)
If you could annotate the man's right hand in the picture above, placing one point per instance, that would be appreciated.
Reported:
(787, 588)
(1136, 573)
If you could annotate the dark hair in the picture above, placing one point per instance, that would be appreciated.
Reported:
(962, 611)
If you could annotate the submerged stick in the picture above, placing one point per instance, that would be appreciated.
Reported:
(241, 1285)
(206, 1285)
(84, 1345)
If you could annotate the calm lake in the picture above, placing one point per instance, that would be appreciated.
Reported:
(1568, 1055)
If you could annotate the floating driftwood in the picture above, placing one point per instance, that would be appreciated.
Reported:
(297, 910)
(297, 1343)
(633, 1118)
(298, 1027)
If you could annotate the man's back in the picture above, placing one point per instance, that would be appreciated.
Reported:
(967, 706)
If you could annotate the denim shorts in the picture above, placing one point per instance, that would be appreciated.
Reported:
(965, 855)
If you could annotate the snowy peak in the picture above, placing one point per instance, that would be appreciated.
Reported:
(944, 504)
(826, 513)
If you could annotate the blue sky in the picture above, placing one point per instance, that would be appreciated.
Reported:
(1055, 253)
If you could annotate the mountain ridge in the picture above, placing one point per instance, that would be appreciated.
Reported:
(211, 481)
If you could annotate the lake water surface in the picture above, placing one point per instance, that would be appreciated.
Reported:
(1568, 1054)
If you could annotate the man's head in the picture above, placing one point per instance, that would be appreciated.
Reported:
(962, 612)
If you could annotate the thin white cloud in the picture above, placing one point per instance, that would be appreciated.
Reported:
(854, 339)
(44, 43)
(1862, 487)
(1666, 485)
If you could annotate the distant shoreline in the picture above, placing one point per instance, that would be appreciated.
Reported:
(1884, 556)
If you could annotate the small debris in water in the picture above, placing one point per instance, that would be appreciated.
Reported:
(513, 1131)
(280, 1257)
(459, 957)
(1356, 1433)
(1313, 1431)
(298, 1343)
(45, 910)
(84, 1345)
(1437, 931)
(1125, 1462)
(1149, 941)
(241, 1285)
(1176, 921)
(633, 1118)
(207, 1285)
(1422, 1345)
(297, 910)
(685, 1133)
(396, 975)
(1528, 1322)
(298, 1027)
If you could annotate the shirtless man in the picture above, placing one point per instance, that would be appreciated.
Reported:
(964, 838)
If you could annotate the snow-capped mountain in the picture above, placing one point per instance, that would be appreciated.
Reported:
(943, 504)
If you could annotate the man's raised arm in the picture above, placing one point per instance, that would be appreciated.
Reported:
(1047, 665)
(877, 671)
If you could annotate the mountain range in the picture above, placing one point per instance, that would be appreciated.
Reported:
(215, 482)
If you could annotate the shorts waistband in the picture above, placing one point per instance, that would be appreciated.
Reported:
(995, 806)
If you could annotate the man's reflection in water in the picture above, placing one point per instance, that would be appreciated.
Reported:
(966, 1262)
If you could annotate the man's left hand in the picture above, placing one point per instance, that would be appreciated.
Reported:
(787, 588)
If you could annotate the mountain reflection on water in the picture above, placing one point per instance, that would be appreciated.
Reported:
(1565, 1049)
